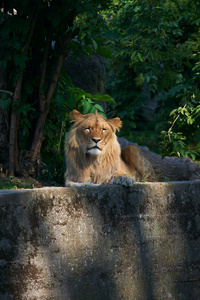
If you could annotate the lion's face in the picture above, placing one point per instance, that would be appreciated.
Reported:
(94, 132)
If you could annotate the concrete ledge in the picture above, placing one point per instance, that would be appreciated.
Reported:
(100, 243)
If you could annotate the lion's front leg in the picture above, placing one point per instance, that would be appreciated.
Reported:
(77, 177)
(73, 183)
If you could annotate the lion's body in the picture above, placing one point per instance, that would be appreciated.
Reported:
(94, 154)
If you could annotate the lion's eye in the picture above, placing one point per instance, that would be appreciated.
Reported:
(87, 128)
(104, 129)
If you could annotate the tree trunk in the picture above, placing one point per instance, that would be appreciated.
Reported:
(44, 109)
(4, 127)
(13, 148)
(169, 168)
(13, 131)
(45, 103)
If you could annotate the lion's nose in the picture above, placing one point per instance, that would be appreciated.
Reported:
(96, 140)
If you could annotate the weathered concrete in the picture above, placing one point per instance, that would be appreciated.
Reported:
(100, 243)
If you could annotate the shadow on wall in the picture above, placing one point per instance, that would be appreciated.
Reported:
(184, 226)
(168, 244)
(100, 243)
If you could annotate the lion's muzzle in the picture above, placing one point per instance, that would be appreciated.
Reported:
(95, 149)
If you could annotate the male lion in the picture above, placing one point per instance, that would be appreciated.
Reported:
(94, 156)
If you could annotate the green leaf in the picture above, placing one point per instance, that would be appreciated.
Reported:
(148, 78)
(182, 152)
(71, 101)
(87, 107)
(133, 54)
(88, 95)
(94, 44)
(99, 107)
(193, 156)
(101, 113)
(82, 36)
(137, 8)
(104, 52)
(105, 98)
(173, 112)
(141, 57)
(20, 59)
(90, 101)
(4, 103)
(92, 110)
(59, 100)
(88, 50)
(56, 20)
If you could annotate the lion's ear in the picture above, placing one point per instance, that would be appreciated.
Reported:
(116, 123)
(76, 115)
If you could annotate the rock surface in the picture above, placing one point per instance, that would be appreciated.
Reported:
(100, 243)
(87, 73)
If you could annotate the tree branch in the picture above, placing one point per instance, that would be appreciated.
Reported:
(170, 129)
(44, 60)
(45, 103)
(7, 92)
(32, 22)
(59, 65)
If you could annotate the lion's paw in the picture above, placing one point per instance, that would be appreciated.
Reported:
(124, 180)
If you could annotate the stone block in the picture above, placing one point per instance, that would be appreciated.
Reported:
(101, 243)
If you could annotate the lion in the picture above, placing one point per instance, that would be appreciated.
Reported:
(94, 156)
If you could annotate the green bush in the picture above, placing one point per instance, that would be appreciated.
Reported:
(156, 47)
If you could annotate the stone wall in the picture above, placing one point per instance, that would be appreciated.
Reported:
(100, 243)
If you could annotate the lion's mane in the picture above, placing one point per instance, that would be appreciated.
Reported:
(82, 167)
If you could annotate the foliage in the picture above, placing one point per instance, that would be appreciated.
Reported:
(155, 47)
(175, 146)
(173, 142)
(78, 98)
(35, 37)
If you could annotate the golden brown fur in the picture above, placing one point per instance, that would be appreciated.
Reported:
(93, 153)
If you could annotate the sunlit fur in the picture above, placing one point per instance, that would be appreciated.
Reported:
(94, 154)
